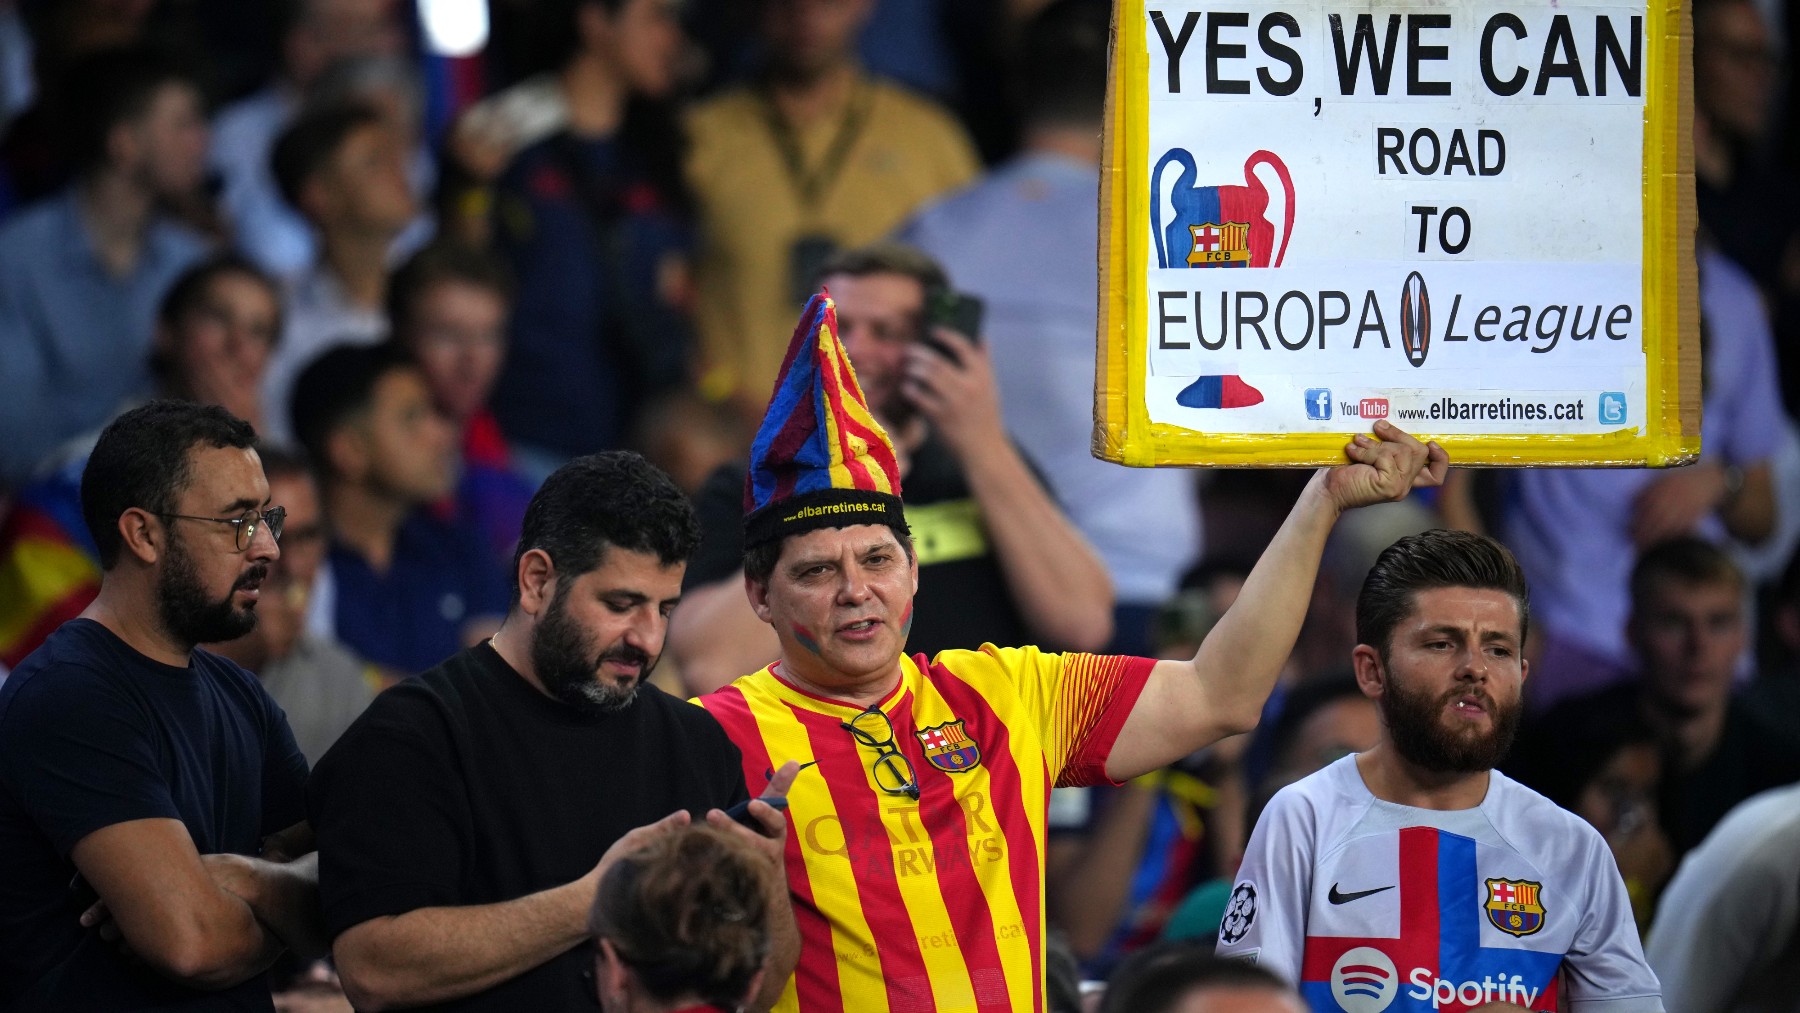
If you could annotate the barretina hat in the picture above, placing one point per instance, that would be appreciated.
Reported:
(820, 460)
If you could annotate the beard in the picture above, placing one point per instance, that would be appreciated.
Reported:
(568, 663)
(1415, 721)
(189, 615)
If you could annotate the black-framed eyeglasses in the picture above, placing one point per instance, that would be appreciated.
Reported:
(244, 526)
(893, 771)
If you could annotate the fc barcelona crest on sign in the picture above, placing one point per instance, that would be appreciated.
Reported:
(1216, 245)
(1513, 907)
(949, 748)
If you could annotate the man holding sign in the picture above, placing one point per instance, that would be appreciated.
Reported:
(916, 861)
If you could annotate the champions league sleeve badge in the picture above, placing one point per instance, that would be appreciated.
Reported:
(1240, 913)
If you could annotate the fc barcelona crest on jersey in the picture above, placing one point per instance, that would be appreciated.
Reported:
(1513, 906)
(949, 748)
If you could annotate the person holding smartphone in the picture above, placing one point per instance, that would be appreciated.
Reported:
(467, 819)
(1005, 563)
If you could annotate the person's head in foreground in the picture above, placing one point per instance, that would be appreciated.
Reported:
(682, 923)
(596, 573)
(828, 558)
(176, 501)
(1187, 978)
(1440, 629)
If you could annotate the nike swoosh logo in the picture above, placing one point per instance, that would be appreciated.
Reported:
(1344, 898)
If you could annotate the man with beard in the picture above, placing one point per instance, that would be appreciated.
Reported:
(467, 817)
(143, 773)
(1414, 876)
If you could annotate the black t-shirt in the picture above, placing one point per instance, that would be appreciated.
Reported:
(963, 600)
(93, 734)
(1753, 755)
(467, 786)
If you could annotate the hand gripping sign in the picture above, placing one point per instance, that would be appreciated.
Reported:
(1471, 217)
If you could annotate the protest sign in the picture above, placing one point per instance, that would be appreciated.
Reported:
(1474, 219)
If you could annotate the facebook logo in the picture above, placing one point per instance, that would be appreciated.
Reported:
(1612, 408)
(1318, 403)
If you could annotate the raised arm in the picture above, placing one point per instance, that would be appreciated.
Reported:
(1189, 704)
(1055, 576)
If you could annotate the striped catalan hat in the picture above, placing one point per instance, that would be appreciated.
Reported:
(820, 460)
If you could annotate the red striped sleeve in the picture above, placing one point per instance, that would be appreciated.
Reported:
(1009, 806)
(1094, 697)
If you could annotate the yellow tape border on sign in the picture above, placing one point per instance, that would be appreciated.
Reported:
(1670, 436)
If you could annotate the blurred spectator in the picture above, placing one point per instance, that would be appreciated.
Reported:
(1145, 522)
(81, 273)
(319, 684)
(683, 924)
(1320, 722)
(1576, 530)
(815, 155)
(1605, 765)
(1187, 978)
(448, 307)
(688, 436)
(49, 47)
(410, 589)
(1727, 933)
(1002, 563)
(1776, 690)
(593, 221)
(314, 35)
(213, 335)
(391, 85)
(343, 167)
(603, 54)
(1689, 621)
(1738, 190)
(18, 85)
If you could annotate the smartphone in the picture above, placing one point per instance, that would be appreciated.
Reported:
(959, 311)
(741, 811)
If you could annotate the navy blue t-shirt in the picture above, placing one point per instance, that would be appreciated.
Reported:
(93, 734)
(412, 616)
(594, 335)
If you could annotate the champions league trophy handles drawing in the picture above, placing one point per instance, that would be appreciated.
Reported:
(1219, 226)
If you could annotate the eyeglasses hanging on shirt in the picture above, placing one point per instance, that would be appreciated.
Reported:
(811, 184)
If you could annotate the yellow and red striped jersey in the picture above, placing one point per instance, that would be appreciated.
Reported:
(933, 905)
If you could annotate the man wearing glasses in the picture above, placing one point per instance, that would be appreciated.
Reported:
(916, 861)
(140, 777)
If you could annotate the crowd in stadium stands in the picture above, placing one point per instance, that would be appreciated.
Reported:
(430, 282)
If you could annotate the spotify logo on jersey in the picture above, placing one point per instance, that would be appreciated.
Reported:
(1364, 981)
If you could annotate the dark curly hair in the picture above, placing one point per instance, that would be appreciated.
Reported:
(615, 498)
(143, 461)
(689, 914)
(1430, 560)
